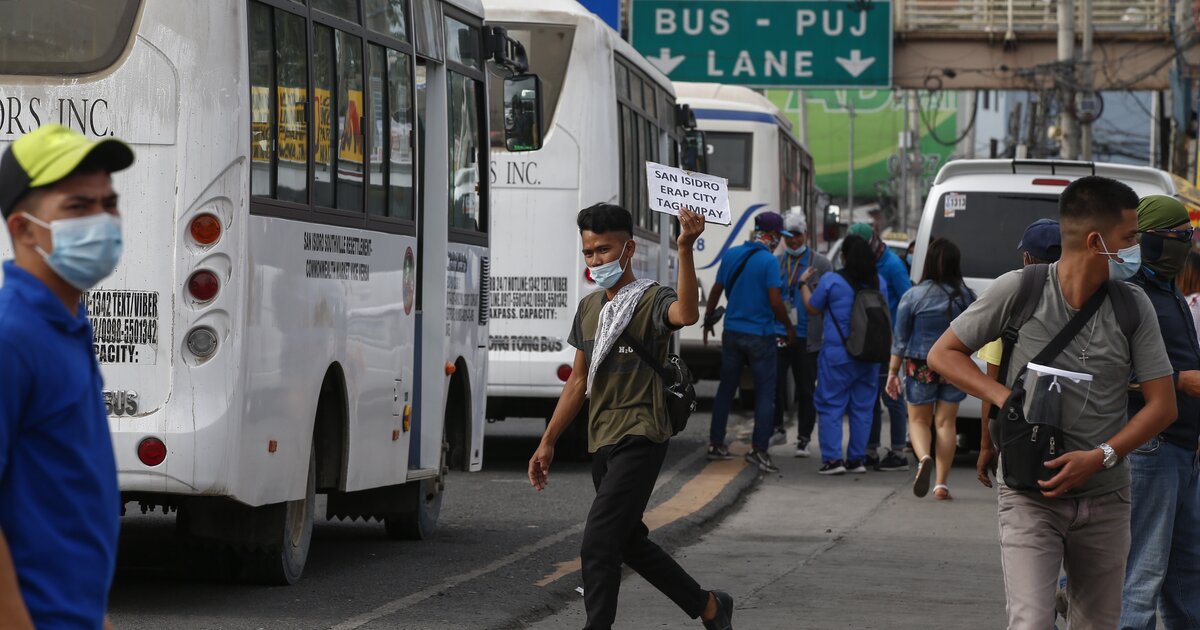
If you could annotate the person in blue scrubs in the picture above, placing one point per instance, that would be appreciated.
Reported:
(59, 501)
(845, 386)
(896, 274)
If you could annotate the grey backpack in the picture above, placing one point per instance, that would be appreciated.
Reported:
(870, 338)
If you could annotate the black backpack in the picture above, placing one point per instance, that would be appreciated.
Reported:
(678, 386)
(870, 337)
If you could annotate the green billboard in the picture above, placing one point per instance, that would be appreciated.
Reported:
(878, 121)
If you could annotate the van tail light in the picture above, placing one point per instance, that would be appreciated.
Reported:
(1047, 181)
(203, 285)
(205, 229)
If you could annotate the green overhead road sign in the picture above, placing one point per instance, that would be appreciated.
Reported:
(768, 43)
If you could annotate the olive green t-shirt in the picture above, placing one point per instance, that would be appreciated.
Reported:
(626, 397)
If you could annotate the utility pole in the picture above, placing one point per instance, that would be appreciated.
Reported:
(916, 162)
(850, 169)
(1085, 54)
(803, 120)
(1066, 56)
(905, 139)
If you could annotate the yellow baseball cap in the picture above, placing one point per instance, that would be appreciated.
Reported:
(48, 155)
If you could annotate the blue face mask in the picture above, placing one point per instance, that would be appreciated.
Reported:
(86, 250)
(608, 274)
(908, 259)
(796, 251)
(1131, 261)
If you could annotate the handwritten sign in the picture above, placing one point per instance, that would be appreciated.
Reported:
(671, 188)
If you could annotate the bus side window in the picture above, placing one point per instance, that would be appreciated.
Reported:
(350, 115)
(262, 123)
(291, 79)
(323, 107)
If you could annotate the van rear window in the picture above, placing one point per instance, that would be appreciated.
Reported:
(987, 226)
(49, 37)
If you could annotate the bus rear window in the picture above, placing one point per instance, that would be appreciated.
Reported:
(987, 227)
(549, 50)
(729, 156)
(64, 36)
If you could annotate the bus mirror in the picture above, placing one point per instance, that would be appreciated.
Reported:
(695, 153)
(523, 112)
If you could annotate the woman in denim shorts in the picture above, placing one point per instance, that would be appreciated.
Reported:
(924, 314)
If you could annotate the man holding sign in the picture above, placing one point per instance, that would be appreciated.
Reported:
(671, 189)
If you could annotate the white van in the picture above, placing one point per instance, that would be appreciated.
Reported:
(984, 207)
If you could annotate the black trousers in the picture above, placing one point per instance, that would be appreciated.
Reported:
(803, 366)
(624, 474)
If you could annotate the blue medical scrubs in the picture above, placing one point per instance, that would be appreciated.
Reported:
(845, 386)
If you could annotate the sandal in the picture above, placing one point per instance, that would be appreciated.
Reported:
(941, 492)
(924, 470)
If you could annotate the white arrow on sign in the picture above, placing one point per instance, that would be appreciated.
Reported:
(665, 62)
(855, 65)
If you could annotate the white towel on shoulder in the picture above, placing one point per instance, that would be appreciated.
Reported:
(614, 317)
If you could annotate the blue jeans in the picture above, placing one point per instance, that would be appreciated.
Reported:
(1163, 574)
(737, 350)
(897, 415)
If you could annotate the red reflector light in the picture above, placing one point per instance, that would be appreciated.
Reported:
(152, 451)
(564, 372)
(205, 229)
(1046, 181)
(203, 285)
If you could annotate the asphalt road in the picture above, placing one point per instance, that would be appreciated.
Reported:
(496, 538)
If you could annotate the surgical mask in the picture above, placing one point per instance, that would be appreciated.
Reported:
(608, 274)
(1165, 256)
(908, 259)
(796, 251)
(86, 250)
(1131, 257)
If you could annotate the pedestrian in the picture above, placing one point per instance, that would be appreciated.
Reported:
(628, 428)
(908, 256)
(845, 385)
(749, 274)
(1189, 285)
(1072, 509)
(925, 313)
(1163, 572)
(799, 358)
(59, 501)
(1041, 243)
(896, 275)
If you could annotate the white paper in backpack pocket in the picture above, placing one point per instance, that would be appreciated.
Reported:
(671, 188)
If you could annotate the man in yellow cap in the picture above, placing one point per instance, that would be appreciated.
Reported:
(59, 501)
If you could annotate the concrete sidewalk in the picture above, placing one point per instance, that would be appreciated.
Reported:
(855, 551)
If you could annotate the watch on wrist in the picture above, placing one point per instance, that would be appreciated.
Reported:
(1110, 455)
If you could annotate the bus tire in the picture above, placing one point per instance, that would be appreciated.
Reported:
(281, 562)
(421, 504)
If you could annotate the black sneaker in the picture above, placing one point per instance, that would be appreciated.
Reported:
(834, 467)
(724, 618)
(893, 462)
(762, 460)
(872, 458)
(855, 466)
(718, 451)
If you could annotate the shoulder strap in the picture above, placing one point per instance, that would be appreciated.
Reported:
(646, 357)
(1125, 307)
(1033, 281)
(738, 272)
(1064, 336)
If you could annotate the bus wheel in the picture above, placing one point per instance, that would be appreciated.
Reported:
(282, 560)
(420, 505)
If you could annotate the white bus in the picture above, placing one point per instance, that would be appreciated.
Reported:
(607, 111)
(298, 306)
(750, 143)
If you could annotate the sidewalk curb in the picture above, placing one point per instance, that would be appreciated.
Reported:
(671, 537)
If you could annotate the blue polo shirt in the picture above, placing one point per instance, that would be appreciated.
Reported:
(59, 502)
(748, 309)
(893, 270)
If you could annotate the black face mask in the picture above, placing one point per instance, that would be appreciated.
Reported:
(1164, 256)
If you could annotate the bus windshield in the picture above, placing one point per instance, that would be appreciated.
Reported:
(1003, 217)
(549, 50)
(63, 36)
(730, 155)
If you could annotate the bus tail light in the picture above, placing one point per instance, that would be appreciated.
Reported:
(587, 275)
(202, 342)
(205, 229)
(564, 372)
(151, 451)
(203, 285)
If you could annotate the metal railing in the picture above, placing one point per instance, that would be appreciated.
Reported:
(1001, 16)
